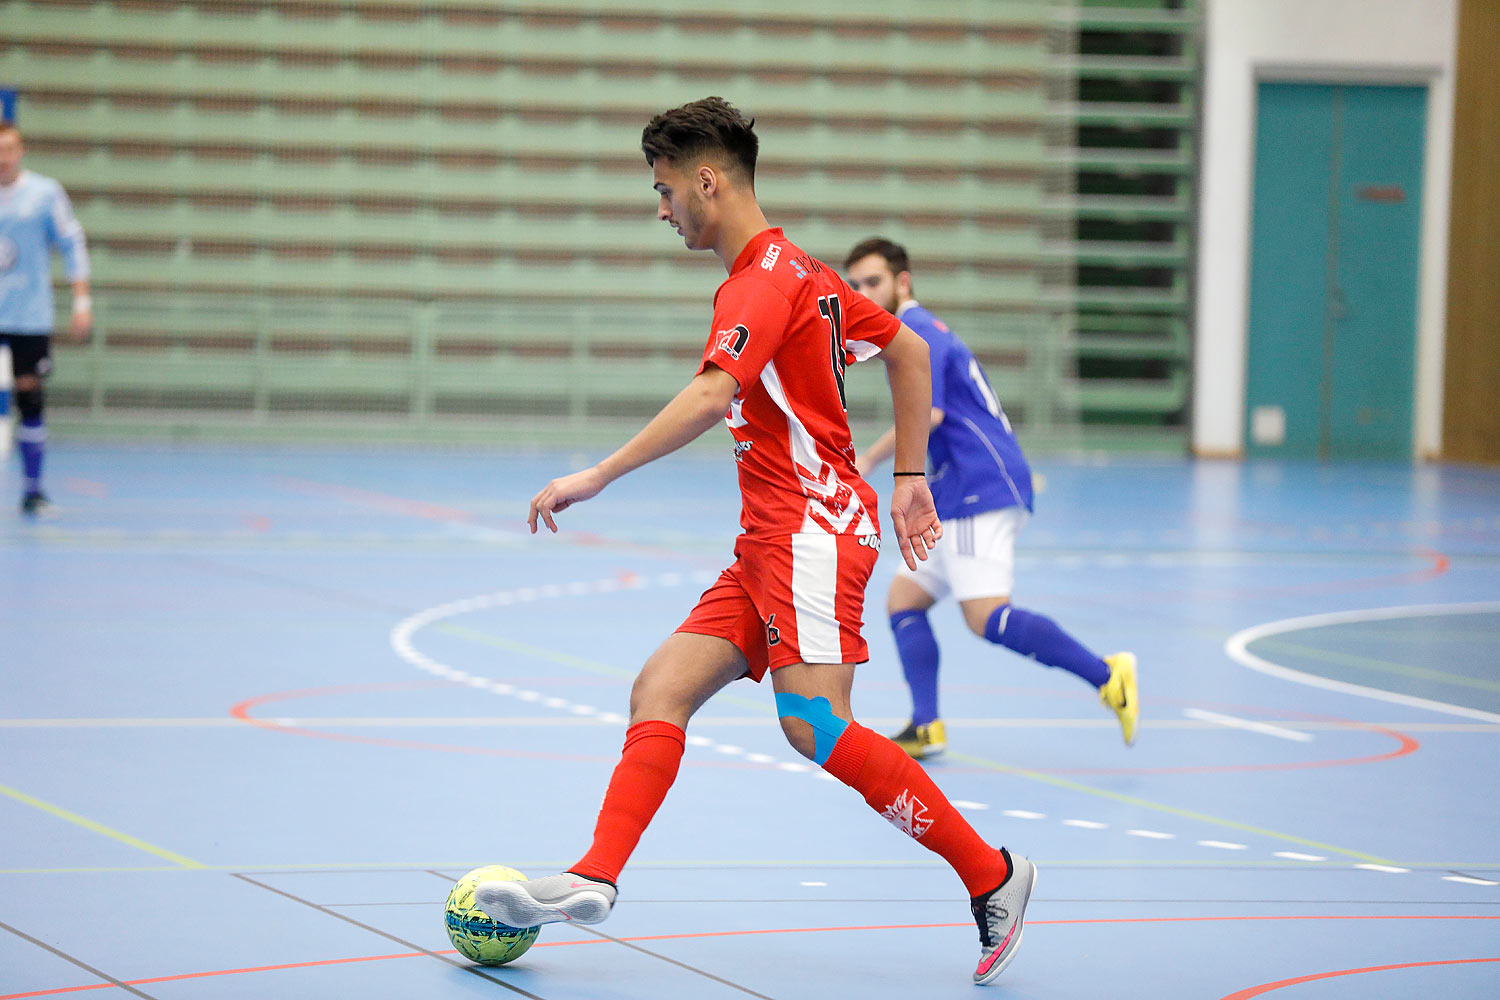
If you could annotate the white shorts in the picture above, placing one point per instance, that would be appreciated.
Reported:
(976, 557)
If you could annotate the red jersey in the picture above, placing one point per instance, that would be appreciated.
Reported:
(786, 326)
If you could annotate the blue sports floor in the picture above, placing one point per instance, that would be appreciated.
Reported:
(258, 709)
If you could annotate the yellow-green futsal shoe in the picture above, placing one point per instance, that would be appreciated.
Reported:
(1119, 693)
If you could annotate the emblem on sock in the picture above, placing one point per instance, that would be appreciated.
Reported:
(908, 815)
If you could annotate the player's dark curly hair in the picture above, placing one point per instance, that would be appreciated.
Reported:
(708, 127)
(894, 253)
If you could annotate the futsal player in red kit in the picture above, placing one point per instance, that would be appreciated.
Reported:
(784, 328)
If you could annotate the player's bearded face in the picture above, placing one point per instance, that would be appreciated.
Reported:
(872, 276)
(681, 206)
(693, 220)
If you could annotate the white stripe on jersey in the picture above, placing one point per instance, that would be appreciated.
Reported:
(999, 462)
(806, 459)
(815, 581)
(862, 350)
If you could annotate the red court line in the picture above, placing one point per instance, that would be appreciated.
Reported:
(242, 711)
(801, 930)
(1438, 564)
(1406, 743)
(1256, 991)
(391, 504)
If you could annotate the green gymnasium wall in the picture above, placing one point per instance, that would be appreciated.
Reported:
(429, 219)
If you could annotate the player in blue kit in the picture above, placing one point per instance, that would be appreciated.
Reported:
(35, 219)
(982, 486)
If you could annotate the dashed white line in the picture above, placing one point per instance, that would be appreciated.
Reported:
(1388, 869)
(1085, 824)
(1024, 814)
(966, 804)
(1223, 845)
(1151, 834)
(1296, 856)
(1468, 880)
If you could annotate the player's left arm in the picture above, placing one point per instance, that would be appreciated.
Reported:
(912, 511)
(66, 233)
(885, 445)
(700, 405)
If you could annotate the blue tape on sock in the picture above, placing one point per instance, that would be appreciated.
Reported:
(818, 713)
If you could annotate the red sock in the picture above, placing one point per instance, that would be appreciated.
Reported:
(647, 768)
(896, 787)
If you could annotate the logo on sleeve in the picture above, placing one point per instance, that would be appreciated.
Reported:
(733, 341)
(773, 253)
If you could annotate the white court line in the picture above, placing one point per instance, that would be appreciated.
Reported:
(1468, 881)
(1264, 728)
(1297, 856)
(1389, 869)
(1151, 834)
(1223, 845)
(1236, 645)
(1085, 824)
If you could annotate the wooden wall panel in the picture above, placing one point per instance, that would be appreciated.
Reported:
(1471, 397)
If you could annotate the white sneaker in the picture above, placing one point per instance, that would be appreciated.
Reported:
(999, 914)
(569, 897)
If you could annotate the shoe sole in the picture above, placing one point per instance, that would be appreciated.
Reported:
(1000, 966)
(510, 904)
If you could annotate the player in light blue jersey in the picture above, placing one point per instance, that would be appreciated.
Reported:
(35, 219)
(982, 487)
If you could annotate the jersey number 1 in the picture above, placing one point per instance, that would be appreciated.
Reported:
(833, 312)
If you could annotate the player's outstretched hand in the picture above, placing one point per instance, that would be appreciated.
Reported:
(915, 518)
(560, 494)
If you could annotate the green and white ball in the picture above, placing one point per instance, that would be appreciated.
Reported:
(475, 935)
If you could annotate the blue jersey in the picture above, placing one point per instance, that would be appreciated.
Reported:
(35, 219)
(974, 461)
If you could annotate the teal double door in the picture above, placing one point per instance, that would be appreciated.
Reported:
(1335, 245)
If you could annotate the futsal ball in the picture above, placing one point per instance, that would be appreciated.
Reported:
(473, 933)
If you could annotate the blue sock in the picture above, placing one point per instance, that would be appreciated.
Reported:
(918, 649)
(1038, 637)
(32, 437)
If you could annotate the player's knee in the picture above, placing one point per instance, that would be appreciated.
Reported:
(29, 402)
(977, 613)
(800, 735)
(894, 605)
(810, 725)
(653, 696)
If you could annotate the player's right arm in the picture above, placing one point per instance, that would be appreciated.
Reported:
(913, 513)
(700, 405)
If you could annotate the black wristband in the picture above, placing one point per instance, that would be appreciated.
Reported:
(908, 474)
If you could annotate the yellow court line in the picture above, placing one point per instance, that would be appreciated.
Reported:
(722, 698)
(1382, 666)
(1076, 786)
(99, 828)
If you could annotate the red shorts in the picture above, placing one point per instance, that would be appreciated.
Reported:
(795, 599)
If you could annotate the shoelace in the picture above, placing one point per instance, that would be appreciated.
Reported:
(991, 907)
